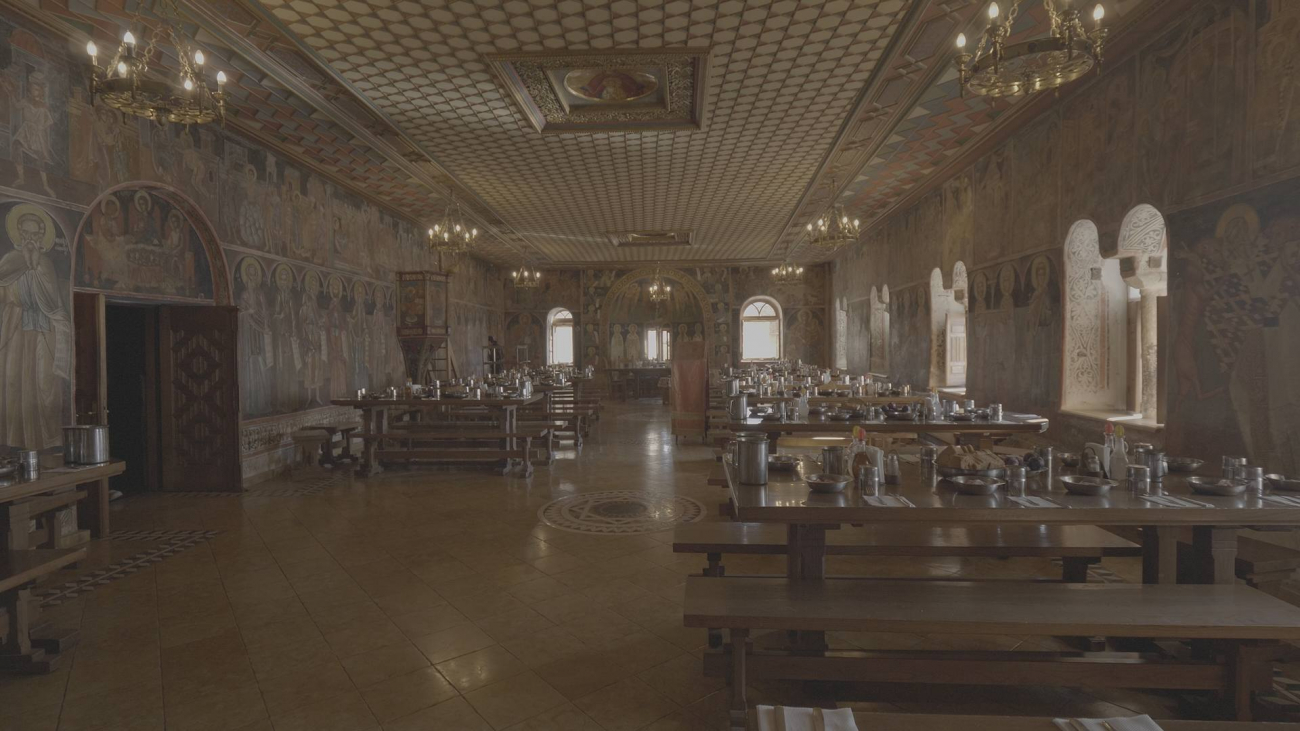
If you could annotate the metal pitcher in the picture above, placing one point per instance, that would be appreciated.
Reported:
(751, 458)
(738, 407)
(835, 460)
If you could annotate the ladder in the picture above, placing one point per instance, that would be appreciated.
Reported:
(442, 365)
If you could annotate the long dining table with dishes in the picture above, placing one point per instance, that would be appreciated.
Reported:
(1115, 634)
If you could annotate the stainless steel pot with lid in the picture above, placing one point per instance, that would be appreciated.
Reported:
(85, 444)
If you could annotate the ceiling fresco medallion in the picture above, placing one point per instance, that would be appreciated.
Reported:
(610, 86)
(657, 237)
(626, 90)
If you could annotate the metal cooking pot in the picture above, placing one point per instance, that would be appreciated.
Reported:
(85, 444)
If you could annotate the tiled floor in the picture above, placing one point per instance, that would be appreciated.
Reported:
(435, 600)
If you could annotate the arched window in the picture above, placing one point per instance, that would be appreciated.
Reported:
(1096, 323)
(1142, 250)
(559, 337)
(760, 330)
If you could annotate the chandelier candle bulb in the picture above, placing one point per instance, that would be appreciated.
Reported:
(128, 38)
(961, 40)
(92, 50)
(198, 57)
(993, 11)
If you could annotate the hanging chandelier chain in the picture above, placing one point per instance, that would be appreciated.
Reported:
(998, 67)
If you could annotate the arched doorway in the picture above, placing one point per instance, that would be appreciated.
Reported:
(638, 331)
(157, 340)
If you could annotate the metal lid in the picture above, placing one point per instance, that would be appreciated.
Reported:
(751, 436)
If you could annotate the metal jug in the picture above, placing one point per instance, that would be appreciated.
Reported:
(835, 460)
(738, 407)
(751, 458)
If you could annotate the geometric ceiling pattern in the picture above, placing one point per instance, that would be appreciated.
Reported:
(396, 100)
(781, 77)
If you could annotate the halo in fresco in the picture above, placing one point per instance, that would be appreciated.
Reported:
(621, 512)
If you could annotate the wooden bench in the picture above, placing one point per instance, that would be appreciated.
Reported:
(946, 722)
(20, 651)
(1076, 545)
(52, 513)
(542, 442)
(566, 424)
(1244, 625)
(447, 445)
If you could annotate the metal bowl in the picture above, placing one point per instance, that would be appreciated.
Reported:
(963, 416)
(772, 417)
(1183, 464)
(975, 485)
(782, 462)
(1069, 459)
(997, 472)
(1281, 482)
(1083, 485)
(1215, 486)
(828, 483)
(900, 415)
(816, 411)
(840, 416)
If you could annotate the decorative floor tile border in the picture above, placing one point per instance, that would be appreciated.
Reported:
(171, 542)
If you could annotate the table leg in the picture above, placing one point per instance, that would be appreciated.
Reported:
(370, 425)
(1159, 554)
(95, 514)
(327, 450)
(806, 547)
(509, 421)
(1215, 549)
(806, 560)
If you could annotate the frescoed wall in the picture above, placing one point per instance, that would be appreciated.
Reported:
(719, 291)
(149, 213)
(1184, 124)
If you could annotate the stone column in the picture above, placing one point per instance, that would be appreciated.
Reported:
(1151, 284)
(1148, 380)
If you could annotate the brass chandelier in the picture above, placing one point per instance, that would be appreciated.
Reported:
(999, 68)
(787, 273)
(452, 235)
(659, 290)
(525, 278)
(124, 82)
(833, 228)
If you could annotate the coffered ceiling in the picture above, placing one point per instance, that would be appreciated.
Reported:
(406, 101)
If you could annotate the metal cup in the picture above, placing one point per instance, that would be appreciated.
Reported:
(929, 454)
(835, 460)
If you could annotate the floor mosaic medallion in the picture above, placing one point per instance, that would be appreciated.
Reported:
(621, 512)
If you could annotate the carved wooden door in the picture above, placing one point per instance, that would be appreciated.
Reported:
(199, 401)
(956, 334)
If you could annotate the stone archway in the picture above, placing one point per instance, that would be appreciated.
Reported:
(624, 283)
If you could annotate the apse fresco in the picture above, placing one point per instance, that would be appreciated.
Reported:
(307, 336)
(1235, 314)
(136, 241)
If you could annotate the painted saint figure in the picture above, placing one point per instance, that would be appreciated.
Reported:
(32, 143)
(312, 339)
(35, 334)
(255, 348)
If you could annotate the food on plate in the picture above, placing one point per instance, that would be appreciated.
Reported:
(966, 457)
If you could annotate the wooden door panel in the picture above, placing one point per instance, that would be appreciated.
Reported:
(199, 399)
(90, 388)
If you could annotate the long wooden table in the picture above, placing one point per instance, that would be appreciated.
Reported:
(375, 418)
(94, 516)
(824, 425)
(786, 500)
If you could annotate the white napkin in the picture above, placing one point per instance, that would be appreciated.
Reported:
(1172, 501)
(1129, 723)
(887, 501)
(790, 718)
(1033, 501)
